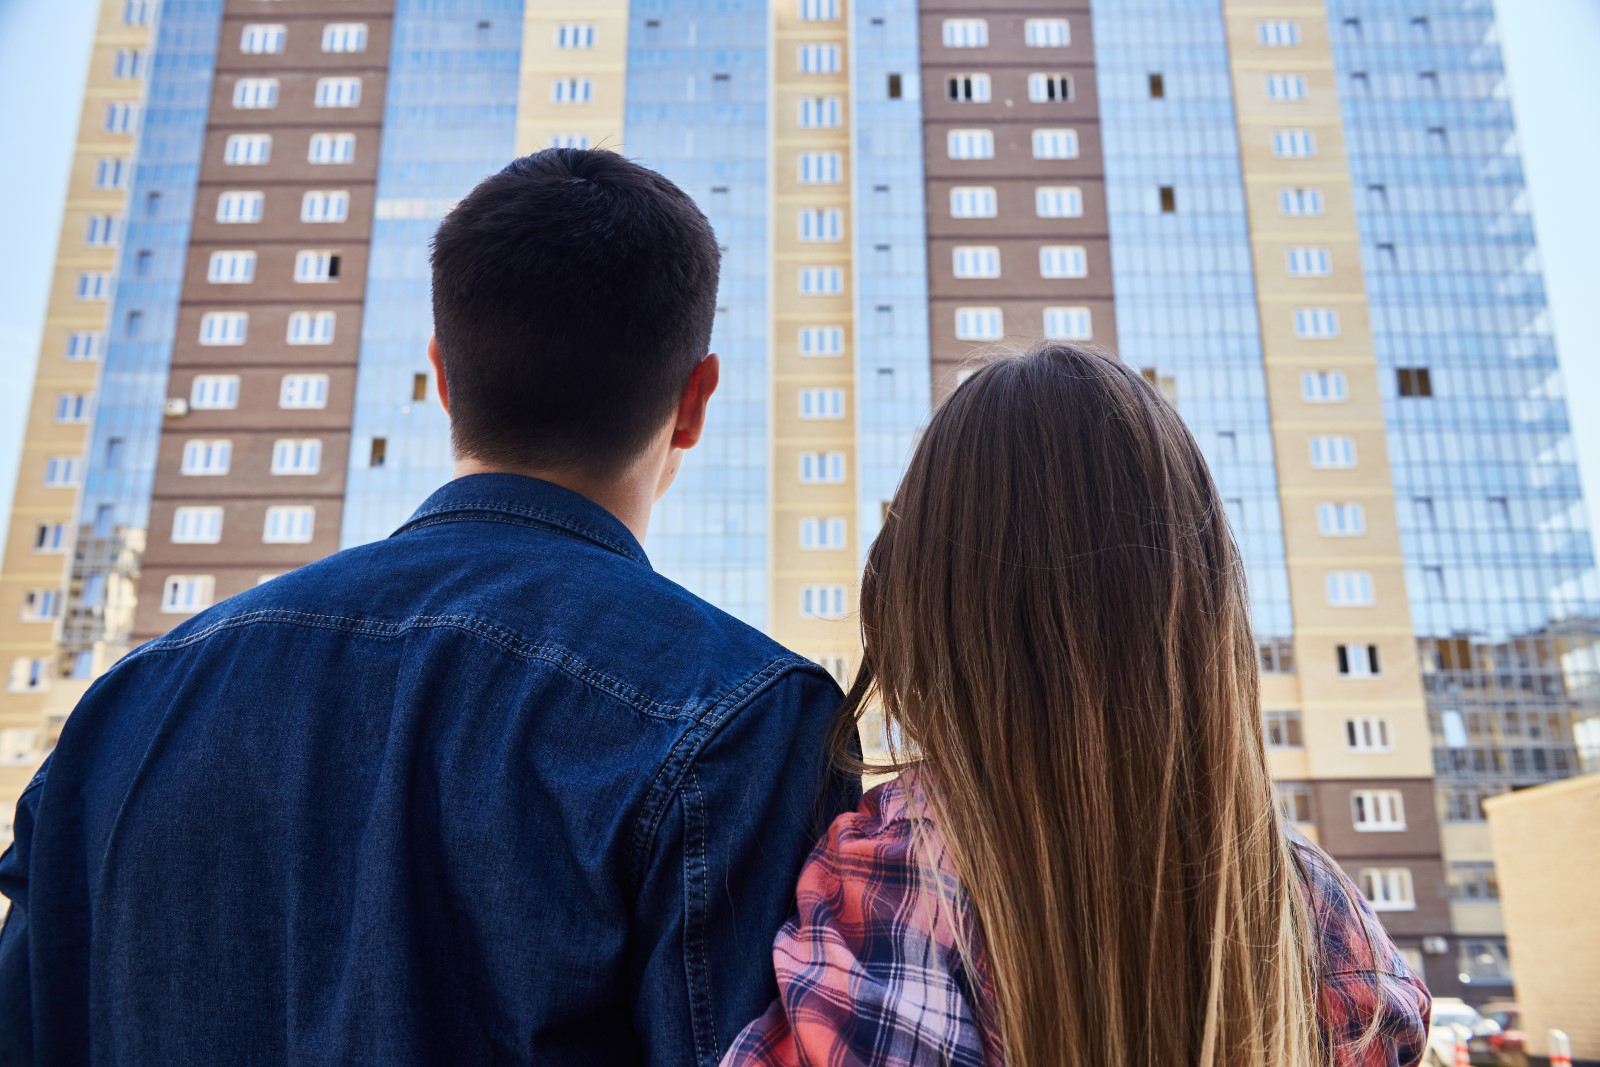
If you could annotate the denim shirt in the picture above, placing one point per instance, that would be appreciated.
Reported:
(489, 791)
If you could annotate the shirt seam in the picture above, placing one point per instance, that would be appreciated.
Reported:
(442, 513)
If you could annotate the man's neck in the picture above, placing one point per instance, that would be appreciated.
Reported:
(629, 497)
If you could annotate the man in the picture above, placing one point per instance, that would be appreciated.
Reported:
(490, 791)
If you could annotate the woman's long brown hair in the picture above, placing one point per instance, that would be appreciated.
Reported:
(1057, 633)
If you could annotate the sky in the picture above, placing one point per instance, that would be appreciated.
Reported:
(1551, 48)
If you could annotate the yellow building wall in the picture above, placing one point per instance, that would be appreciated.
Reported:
(540, 119)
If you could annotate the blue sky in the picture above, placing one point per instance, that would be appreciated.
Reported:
(1551, 49)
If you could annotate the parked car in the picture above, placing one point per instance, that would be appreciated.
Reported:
(1450, 1013)
(1508, 1048)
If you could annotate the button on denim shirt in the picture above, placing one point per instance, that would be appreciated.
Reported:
(489, 791)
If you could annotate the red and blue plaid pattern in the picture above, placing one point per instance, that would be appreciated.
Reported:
(868, 978)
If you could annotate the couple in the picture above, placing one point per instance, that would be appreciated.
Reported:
(493, 791)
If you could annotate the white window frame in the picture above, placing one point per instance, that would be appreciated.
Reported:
(1286, 88)
(1046, 198)
(1387, 888)
(1358, 658)
(342, 91)
(63, 472)
(198, 524)
(977, 88)
(1063, 261)
(823, 535)
(94, 285)
(83, 346)
(1294, 144)
(1316, 324)
(102, 231)
(314, 266)
(247, 149)
(206, 457)
(980, 323)
(1349, 589)
(823, 601)
(975, 261)
(214, 392)
(821, 225)
(822, 468)
(331, 149)
(974, 202)
(289, 524)
(965, 33)
(28, 675)
(821, 281)
(41, 605)
(325, 206)
(821, 342)
(820, 112)
(185, 594)
(73, 407)
(575, 35)
(50, 538)
(1368, 734)
(1301, 202)
(218, 328)
(569, 140)
(1333, 452)
(122, 116)
(111, 172)
(255, 94)
(821, 404)
(572, 91)
(311, 327)
(241, 207)
(344, 37)
(1048, 87)
(1309, 261)
(1047, 33)
(303, 392)
(1068, 324)
(819, 10)
(1278, 33)
(1378, 811)
(821, 168)
(970, 144)
(1055, 144)
(1341, 519)
(817, 59)
(235, 266)
(263, 38)
(296, 456)
(1324, 387)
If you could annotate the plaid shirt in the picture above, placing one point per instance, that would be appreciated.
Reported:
(865, 981)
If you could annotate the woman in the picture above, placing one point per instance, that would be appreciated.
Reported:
(1080, 860)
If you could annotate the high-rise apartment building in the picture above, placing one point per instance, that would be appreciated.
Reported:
(1303, 220)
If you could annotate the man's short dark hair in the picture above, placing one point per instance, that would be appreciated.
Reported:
(573, 294)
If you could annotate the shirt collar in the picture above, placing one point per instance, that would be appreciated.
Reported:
(473, 496)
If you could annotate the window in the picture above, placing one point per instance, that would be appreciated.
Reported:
(1067, 324)
(253, 94)
(1058, 202)
(976, 261)
(338, 92)
(821, 168)
(575, 35)
(822, 403)
(240, 207)
(822, 601)
(1278, 33)
(62, 472)
(297, 456)
(305, 391)
(260, 40)
(41, 605)
(1368, 733)
(100, 231)
(121, 117)
(1282, 729)
(966, 33)
(822, 534)
(197, 525)
(1316, 324)
(378, 452)
(29, 675)
(1324, 387)
(1349, 589)
(327, 148)
(214, 392)
(206, 458)
(325, 206)
(1310, 262)
(1387, 888)
(94, 285)
(839, 668)
(247, 149)
(1358, 661)
(311, 328)
(1063, 261)
(1294, 144)
(1298, 203)
(1046, 33)
(572, 90)
(184, 594)
(1415, 381)
(818, 59)
(231, 268)
(344, 37)
(1472, 881)
(973, 202)
(289, 524)
(968, 88)
(970, 144)
(979, 324)
(568, 140)
(1378, 810)
(894, 87)
(311, 265)
(111, 172)
(72, 407)
(821, 281)
(822, 225)
(84, 347)
(1341, 520)
(224, 327)
(822, 341)
(1049, 88)
(1294, 801)
(822, 468)
(1167, 199)
(138, 12)
(820, 112)
(1055, 144)
(819, 10)
(1333, 453)
(419, 387)
(1286, 87)
(50, 537)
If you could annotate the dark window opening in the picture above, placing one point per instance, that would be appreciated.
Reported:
(333, 266)
(1415, 381)
(1352, 29)
(1388, 258)
(894, 87)
(1169, 200)
(380, 449)
(960, 88)
(419, 387)
(135, 321)
(1158, 87)
(1378, 196)
(141, 263)
(152, 205)
(114, 453)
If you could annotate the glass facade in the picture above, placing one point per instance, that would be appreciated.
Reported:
(449, 121)
(1183, 277)
(132, 392)
(891, 329)
(1499, 562)
(697, 112)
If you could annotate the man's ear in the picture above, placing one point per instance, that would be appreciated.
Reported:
(691, 420)
(441, 385)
